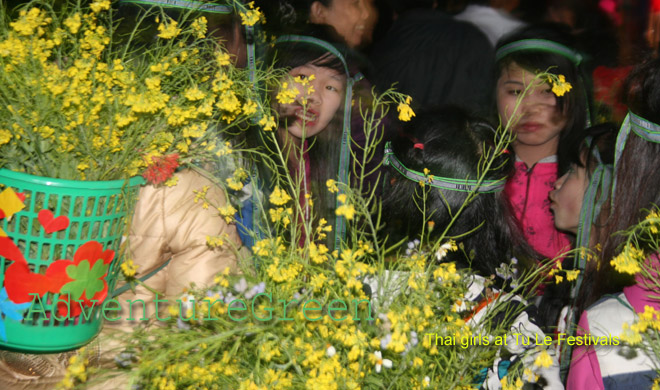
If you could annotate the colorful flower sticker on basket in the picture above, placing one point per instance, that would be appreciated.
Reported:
(21, 283)
(10, 310)
(52, 224)
(83, 279)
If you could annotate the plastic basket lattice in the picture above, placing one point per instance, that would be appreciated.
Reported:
(59, 250)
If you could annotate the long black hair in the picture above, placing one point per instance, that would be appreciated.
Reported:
(450, 144)
(637, 177)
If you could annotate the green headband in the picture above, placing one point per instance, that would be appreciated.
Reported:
(445, 183)
(318, 42)
(185, 4)
(539, 45)
(643, 128)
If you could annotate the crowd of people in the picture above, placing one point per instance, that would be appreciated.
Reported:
(465, 72)
(468, 67)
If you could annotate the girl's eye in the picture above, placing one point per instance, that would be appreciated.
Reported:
(331, 88)
(515, 92)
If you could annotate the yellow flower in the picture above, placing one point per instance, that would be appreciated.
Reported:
(572, 275)
(268, 122)
(281, 215)
(227, 212)
(286, 94)
(279, 197)
(199, 26)
(558, 279)
(194, 94)
(234, 184)
(630, 334)
(214, 242)
(518, 385)
(5, 136)
(628, 260)
(72, 23)
(332, 185)
(168, 31)
(223, 58)
(318, 253)
(543, 360)
(100, 5)
(128, 268)
(560, 86)
(252, 16)
(405, 112)
(348, 211)
(172, 181)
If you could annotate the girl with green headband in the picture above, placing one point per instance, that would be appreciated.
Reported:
(545, 119)
(612, 298)
(311, 130)
(443, 150)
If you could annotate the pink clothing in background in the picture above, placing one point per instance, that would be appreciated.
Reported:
(601, 367)
(527, 191)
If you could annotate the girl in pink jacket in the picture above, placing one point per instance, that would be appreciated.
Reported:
(545, 120)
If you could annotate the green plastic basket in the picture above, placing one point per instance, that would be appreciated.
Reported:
(97, 211)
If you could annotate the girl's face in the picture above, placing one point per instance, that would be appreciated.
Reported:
(566, 198)
(348, 17)
(320, 93)
(538, 121)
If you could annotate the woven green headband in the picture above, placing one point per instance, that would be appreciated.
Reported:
(185, 4)
(445, 183)
(540, 45)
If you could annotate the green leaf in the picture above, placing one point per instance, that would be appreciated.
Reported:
(85, 279)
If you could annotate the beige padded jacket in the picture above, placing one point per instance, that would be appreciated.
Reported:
(168, 224)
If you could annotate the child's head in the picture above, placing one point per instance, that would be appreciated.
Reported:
(567, 197)
(450, 145)
(319, 77)
(544, 122)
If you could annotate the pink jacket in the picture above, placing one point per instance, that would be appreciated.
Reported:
(603, 367)
(527, 191)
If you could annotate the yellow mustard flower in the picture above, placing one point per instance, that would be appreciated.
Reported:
(267, 122)
(100, 5)
(72, 23)
(5, 136)
(128, 268)
(199, 27)
(405, 112)
(169, 30)
(628, 260)
(560, 86)
(279, 197)
(332, 185)
(543, 359)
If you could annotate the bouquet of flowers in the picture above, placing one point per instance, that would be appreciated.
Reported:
(302, 317)
(76, 105)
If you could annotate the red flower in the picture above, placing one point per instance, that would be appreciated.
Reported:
(161, 168)
(79, 282)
